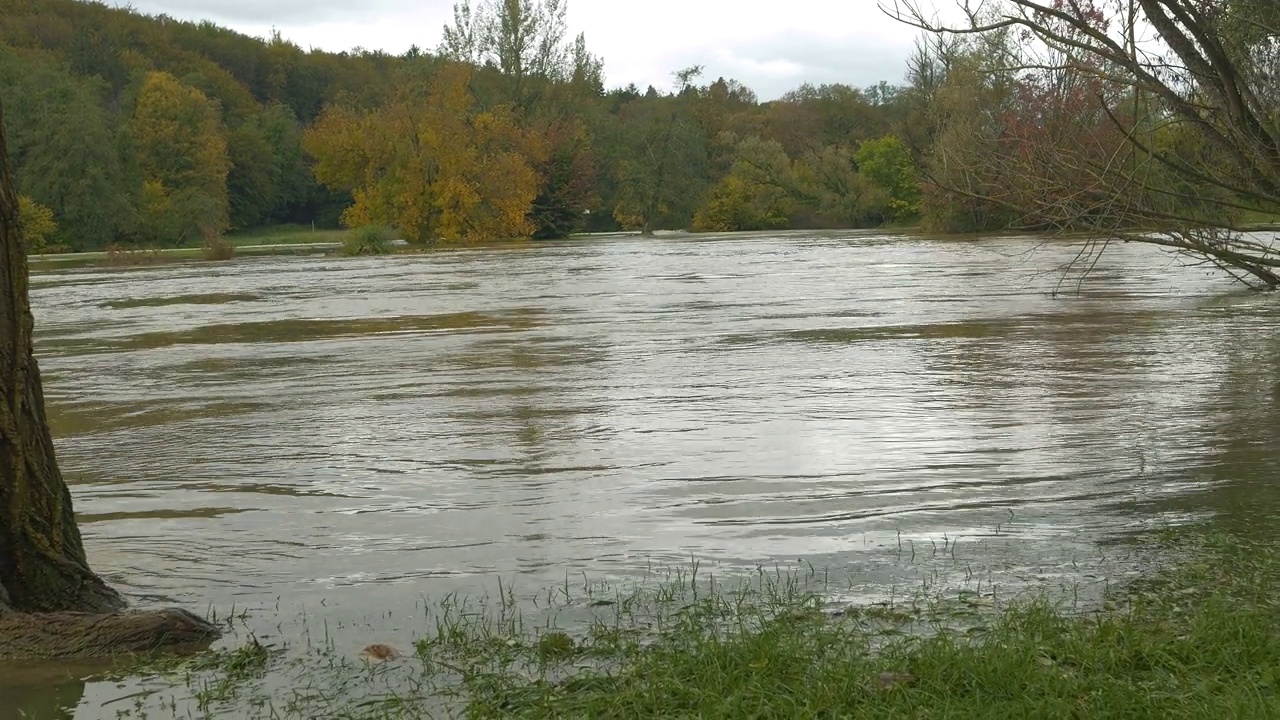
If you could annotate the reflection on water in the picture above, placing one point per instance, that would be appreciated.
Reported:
(46, 690)
(365, 432)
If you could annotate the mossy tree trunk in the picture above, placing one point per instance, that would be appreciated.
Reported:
(42, 559)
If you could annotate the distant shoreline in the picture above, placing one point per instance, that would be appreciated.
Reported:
(293, 240)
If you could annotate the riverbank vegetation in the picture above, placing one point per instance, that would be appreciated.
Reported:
(1151, 121)
(169, 127)
(1192, 638)
(287, 239)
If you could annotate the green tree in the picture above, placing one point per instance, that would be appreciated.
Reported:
(95, 53)
(252, 185)
(65, 150)
(37, 223)
(664, 172)
(757, 194)
(830, 188)
(269, 178)
(567, 174)
(525, 41)
(290, 174)
(888, 164)
(181, 151)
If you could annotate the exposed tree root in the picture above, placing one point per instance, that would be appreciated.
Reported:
(48, 636)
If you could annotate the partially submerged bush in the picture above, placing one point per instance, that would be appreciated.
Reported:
(368, 240)
(214, 245)
(117, 254)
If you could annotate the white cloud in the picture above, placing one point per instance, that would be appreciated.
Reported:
(770, 46)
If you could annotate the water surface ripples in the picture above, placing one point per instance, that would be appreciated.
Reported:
(369, 430)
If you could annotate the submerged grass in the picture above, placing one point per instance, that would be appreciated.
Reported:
(287, 234)
(1194, 638)
(1259, 220)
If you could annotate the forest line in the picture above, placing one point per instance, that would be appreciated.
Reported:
(135, 130)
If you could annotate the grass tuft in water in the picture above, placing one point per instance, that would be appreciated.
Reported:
(217, 676)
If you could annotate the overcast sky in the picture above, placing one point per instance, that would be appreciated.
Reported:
(770, 45)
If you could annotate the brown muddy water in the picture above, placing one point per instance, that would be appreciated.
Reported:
(345, 439)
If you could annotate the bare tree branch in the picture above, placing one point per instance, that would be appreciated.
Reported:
(1173, 143)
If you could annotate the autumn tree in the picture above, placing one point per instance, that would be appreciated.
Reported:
(959, 104)
(429, 163)
(75, 74)
(181, 152)
(1168, 140)
(51, 603)
(104, 60)
(811, 117)
(547, 80)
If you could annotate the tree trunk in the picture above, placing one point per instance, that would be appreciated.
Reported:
(42, 560)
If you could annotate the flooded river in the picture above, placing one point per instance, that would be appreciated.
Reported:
(348, 436)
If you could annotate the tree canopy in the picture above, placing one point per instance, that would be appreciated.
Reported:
(1150, 120)
(168, 127)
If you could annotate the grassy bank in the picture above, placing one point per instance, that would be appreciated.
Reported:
(1195, 638)
(286, 235)
(1261, 221)
(277, 240)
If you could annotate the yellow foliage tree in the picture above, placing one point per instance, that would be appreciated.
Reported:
(181, 149)
(429, 164)
(627, 217)
(37, 223)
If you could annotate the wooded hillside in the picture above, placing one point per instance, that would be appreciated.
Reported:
(137, 129)
(144, 130)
